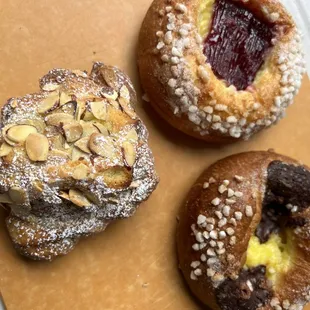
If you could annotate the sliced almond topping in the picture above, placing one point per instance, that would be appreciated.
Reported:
(114, 104)
(8, 159)
(48, 104)
(19, 133)
(73, 131)
(38, 185)
(57, 142)
(58, 118)
(103, 146)
(37, 123)
(64, 196)
(88, 116)
(13, 103)
(126, 106)
(102, 129)
(110, 77)
(78, 198)
(50, 86)
(5, 149)
(129, 152)
(99, 109)
(80, 109)
(68, 108)
(64, 98)
(5, 198)
(82, 144)
(59, 153)
(80, 172)
(92, 197)
(37, 147)
(17, 194)
(124, 93)
(80, 73)
(113, 95)
(8, 141)
(77, 154)
(132, 135)
(88, 128)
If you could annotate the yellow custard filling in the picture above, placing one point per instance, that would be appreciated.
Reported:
(274, 254)
(205, 17)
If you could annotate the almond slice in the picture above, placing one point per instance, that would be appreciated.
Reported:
(80, 110)
(124, 93)
(78, 198)
(50, 86)
(49, 103)
(114, 104)
(80, 172)
(68, 108)
(77, 154)
(19, 133)
(17, 194)
(126, 106)
(37, 147)
(92, 197)
(82, 144)
(99, 109)
(110, 77)
(38, 185)
(80, 73)
(37, 123)
(13, 103)
(88, 128)
(4, 134)
(88, 116)
(103, 146)
(5, 198)
(113, 95)
(132, 135)
(58, 118)
(64, 98)
(73, 131)
(64, 196)
(129, 152)
(59, 153)
(8, 159)
(5, 149)
(102, 129)
(57, 142)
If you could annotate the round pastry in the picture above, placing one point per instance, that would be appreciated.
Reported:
(73, 158)
(220, 70)
(243, 236)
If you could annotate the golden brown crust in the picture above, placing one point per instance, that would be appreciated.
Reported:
(73, 157)
(183, 89)
(247, 175)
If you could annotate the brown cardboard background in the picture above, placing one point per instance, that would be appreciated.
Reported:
(133, 264)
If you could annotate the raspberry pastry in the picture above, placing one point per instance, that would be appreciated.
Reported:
(243, 236)
(73, 158)
(220, 70)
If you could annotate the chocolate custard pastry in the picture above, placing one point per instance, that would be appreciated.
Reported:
(244, 234)
(74, 157)
(220, 70)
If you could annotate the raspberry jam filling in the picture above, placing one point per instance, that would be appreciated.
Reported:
(237, 44)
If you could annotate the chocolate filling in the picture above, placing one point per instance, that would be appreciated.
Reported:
(286, 185)
(248, 292)
(237, 44)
